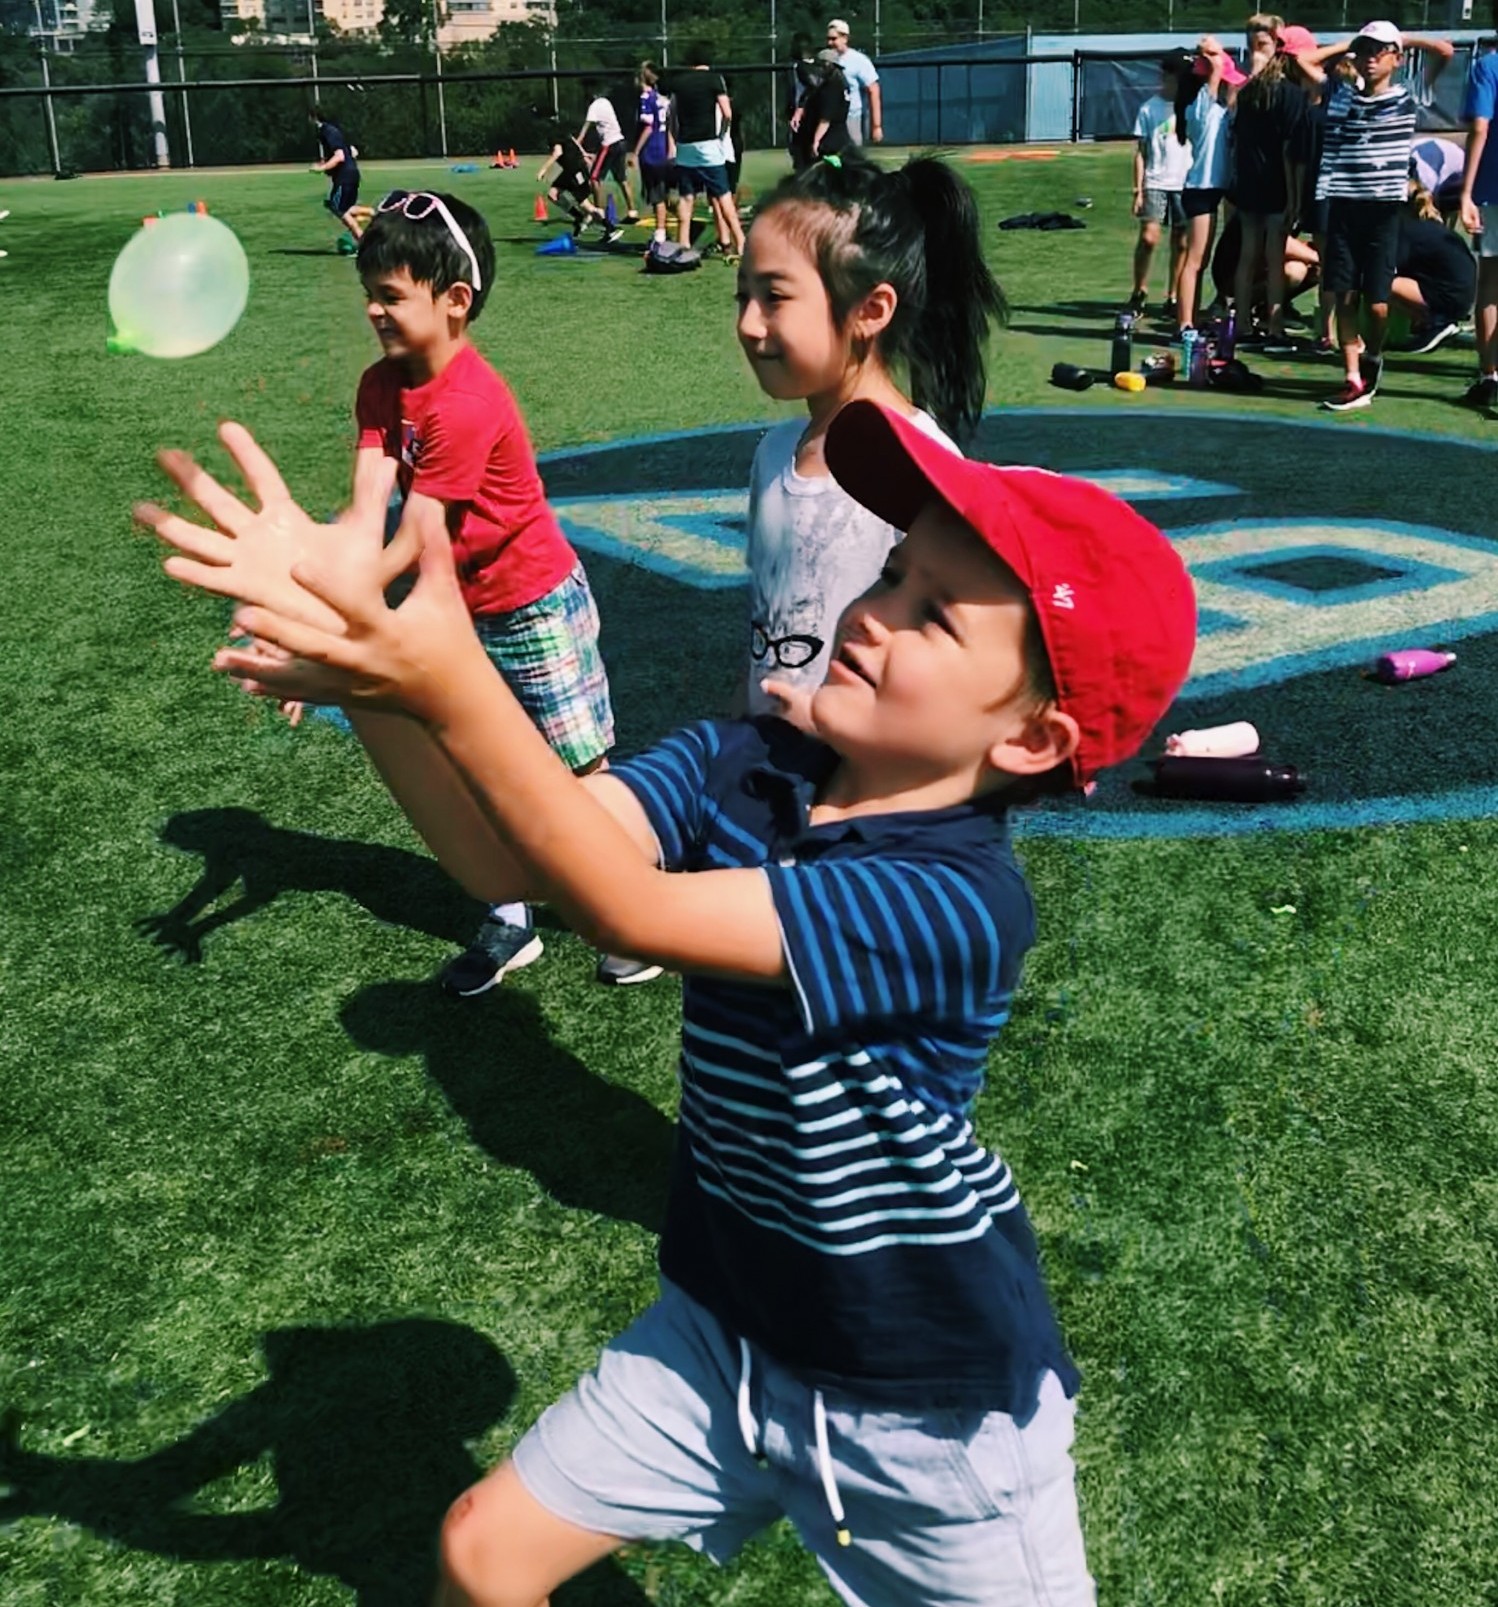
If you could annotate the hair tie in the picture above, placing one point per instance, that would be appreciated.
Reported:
(833, 160)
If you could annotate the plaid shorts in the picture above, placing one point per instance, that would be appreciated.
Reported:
(548, 655)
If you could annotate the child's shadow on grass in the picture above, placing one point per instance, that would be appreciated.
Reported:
(245, 855)
(367, 1430)
(529, 1104)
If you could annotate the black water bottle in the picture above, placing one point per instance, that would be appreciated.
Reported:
(1250, 780)
(1072, 378)
(1123, 343)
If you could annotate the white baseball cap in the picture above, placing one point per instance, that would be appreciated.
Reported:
(837, 25)
(1383, 33)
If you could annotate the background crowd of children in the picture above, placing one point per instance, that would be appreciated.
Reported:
(1301, 169)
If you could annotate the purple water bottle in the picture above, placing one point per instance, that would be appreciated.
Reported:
(1227, 342)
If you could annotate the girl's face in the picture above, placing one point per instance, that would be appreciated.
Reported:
(785, 322)
(1261, 45)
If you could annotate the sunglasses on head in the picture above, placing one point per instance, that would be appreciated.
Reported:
(419, 204)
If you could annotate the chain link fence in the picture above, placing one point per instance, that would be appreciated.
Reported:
(89, 112)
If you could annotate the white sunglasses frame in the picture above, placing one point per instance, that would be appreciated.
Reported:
(437, 205)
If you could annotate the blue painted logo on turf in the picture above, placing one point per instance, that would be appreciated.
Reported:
(1311, 553)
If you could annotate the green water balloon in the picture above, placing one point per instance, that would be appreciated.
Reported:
(178, 287)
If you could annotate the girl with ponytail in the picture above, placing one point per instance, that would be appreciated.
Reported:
(856, 282)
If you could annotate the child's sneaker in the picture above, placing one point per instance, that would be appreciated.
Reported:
(615, 971)
(1137, 303)
(1354, 393)
(498, 949)
(1372, 370)
(612, 232)
(631, 217)
(1428, 339)
(1170, 312)
(1482, 393)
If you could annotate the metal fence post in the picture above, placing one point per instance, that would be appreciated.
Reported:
(47, 102)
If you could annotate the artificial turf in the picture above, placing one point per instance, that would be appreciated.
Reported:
(292, 1249)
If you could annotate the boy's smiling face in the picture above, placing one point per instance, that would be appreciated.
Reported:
(929, 676)
(408, 318)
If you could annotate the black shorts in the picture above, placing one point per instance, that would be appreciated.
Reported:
(574, 184)
(1362, 248)
(1318, 215)
(1201, 203)
(345, 193)
(657, 181)
(609, 163)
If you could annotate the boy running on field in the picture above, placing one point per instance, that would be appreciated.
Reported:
(341, 163)
(853, 1330)
(572, 189)
(608, 165)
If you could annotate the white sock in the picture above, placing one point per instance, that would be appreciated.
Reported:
(510, 914)
(660, 234)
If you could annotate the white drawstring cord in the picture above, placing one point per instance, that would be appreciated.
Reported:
(824, 1467)
(747, 1426)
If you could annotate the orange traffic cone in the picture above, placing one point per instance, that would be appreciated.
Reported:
(514, 160)
(540, 214)
(499, 159)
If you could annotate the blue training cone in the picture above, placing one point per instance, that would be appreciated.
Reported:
(610, 216)
(563, 246)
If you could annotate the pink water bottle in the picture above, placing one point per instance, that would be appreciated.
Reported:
(1410, 663)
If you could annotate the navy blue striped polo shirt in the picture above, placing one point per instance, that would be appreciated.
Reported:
(1365, 155)
(829, 1199)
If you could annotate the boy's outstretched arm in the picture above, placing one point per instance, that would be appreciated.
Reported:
(582, 845)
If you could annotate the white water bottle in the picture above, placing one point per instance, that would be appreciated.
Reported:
(1234, 741)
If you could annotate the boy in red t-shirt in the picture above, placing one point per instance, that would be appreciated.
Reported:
(437, 421)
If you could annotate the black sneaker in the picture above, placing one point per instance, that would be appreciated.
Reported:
(631, 217)
(1428, 339)
(1354, 393)
(1284, 346)
(498, 949)
(1482, 393)
(617, 972)
(1372, 371)
(1170, 311)
(1137, 303)
(612, 232)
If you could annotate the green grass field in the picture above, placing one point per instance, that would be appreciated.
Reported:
(292, 1249)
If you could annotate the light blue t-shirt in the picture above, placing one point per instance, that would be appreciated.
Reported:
(859, 71)
(1482, 97)
(1210, 132)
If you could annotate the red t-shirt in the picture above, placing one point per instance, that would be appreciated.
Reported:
(460, 439)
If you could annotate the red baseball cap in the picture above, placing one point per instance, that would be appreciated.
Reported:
(1295, 40)
(1232, 73)
(1114, 602)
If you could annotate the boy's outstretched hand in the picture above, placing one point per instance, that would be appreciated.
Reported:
(313, 596)
(252, 552)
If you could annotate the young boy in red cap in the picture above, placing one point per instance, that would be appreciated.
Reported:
(853, 1330)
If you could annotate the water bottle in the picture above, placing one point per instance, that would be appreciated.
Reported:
(1072, 378)
(1227, 341)
(1410, 663)
(1235, 741)
(1123, 344)
(1246, 780)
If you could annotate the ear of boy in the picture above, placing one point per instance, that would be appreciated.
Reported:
(1047, 739)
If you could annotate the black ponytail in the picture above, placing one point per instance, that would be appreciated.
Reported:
(917, 230)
